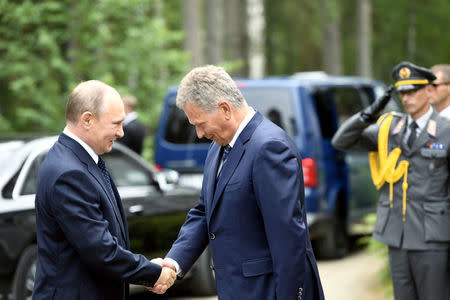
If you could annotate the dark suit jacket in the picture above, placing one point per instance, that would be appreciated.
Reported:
(82, 232)
(134, 134)
(254, 220)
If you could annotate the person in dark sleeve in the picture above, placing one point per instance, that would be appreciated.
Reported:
(251, 209)
(134, 130)
(409, 159)
(81, 229)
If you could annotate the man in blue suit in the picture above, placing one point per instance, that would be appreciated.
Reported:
(251, 209)
(82, 233)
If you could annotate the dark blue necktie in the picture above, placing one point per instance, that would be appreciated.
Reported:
(106, 176)
(226, 151)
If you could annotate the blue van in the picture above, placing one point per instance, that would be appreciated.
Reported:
(309, 107)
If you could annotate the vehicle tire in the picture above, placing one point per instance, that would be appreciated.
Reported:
(23, 283)
(335, 242)
(203, 280)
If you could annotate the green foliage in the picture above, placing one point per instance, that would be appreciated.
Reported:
(381, 250)
(295, 38)
(49, 46)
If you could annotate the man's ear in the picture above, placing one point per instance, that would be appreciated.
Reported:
(86, 119)
(225, 108)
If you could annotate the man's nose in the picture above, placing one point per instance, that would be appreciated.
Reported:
(120, 132)
(200, 133)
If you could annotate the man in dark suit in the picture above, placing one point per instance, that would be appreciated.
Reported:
(82, 233)
(410, 164)
(134, 130)
(251, 210)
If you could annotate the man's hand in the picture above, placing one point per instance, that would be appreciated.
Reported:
(165, 281)
(164, 263)
(370, 113)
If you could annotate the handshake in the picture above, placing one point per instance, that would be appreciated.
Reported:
(167, 277)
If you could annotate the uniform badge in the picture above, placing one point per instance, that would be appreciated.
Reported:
(399, 126)
(404, 73)
(431, 128)
(435, 146)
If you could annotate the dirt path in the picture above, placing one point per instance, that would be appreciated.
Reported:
(350, 278)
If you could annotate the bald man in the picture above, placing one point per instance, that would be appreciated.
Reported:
(82, 235)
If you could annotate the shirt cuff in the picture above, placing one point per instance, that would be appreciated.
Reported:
(177, 266)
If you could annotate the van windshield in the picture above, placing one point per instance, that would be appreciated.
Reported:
(275, 104)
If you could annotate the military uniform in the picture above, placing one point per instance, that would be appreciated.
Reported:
(413, 218)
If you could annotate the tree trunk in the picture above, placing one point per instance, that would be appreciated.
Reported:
(255, 29)
(192, 28)
(332, 58)
(214, 31)
(412, 30)
(234, 45)
(364, 38)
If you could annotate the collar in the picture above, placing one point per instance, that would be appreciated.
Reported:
(86, 147)
(423, 120)
(445, 112)
(251, 112)
(130, 117)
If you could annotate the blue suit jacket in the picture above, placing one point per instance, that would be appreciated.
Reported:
(82, 233)
(254, 219)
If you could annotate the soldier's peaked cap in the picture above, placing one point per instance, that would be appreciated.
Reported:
(407, 76)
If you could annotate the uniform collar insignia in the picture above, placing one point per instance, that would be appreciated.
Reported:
(431, 127)
(399, 126)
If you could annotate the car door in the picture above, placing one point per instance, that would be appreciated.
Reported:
(154, 215)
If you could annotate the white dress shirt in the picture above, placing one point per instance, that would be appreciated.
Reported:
(421, 124)
(445, 112)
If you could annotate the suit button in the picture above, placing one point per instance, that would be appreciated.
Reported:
(212, 236)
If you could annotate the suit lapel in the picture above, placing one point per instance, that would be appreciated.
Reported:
(94, 170)
(232, 162)
(210, 174)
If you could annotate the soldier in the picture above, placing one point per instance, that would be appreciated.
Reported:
(410, 162)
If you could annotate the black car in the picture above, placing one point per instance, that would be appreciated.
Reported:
(155, 205)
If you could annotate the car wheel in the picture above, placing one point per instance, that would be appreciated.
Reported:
(335, 242)
(204, 280)
(23, 283)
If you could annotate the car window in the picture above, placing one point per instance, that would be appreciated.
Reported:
(126, 171)
(179, 130)
(274, 103)
(29, 185)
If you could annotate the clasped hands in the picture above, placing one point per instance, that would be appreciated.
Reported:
(167, 277)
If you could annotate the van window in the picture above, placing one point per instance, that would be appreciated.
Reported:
(346, 101)
(275, 104)
(179, 130)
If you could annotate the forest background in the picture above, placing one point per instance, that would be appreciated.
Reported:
(144, 46)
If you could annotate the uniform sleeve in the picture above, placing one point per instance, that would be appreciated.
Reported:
(356, 135)
(278, 184)
(76, 206)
